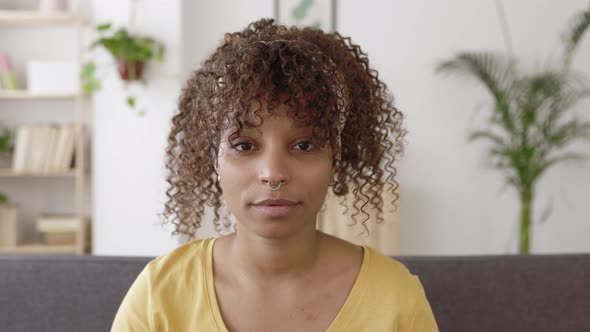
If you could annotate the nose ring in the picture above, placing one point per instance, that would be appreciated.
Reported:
(274, 188)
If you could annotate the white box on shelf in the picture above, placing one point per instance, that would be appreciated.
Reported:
(53, 77)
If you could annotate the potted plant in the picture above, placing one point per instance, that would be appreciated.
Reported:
(131, 53)
(6, 147)
(528, 129)
(6, 142)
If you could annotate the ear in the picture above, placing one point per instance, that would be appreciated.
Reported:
(215, 159)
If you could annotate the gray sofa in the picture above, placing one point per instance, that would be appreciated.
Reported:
(536, 293)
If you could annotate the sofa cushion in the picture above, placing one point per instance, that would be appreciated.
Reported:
(63, 293)
(524, 293)
(540, 293)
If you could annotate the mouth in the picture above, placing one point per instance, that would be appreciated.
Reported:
(276, 208)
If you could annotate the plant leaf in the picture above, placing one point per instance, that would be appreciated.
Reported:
(484, 134)
(571, 38)
(495, 72)
(131, 101)
(131, 48)
(6, 141)
(103, 27)
(546, 213)
(90, 83)
(568, 156)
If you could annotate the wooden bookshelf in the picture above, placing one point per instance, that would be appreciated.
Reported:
(38, 20)
(79, 245)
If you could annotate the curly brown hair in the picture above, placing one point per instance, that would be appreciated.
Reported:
(326, 78)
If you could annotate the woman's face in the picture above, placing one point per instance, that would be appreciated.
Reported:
(278, 150)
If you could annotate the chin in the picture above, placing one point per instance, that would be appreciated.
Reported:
(275, 228)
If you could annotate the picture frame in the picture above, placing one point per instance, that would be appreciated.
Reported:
(320, 14)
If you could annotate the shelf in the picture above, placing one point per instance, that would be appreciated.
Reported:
(39, 248)
(31, 17)
(25, 95)
(8, 172)
(76, 21)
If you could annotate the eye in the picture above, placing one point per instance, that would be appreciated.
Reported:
(243, 146)
(305, 146)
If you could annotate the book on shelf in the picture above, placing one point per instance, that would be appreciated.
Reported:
(44, 148)
(61, 238)
(58, 223)
(7, 73)
(59, 229)
(8, 226)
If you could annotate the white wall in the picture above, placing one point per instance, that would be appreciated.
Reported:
(205, 23)
(128, 156)
(449, 204)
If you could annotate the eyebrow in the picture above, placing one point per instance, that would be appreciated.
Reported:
(300, 124)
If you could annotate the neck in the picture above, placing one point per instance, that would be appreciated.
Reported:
(275, 258)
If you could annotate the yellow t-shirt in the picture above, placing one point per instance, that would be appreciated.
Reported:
(175, 293)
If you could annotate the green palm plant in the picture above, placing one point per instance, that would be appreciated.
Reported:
(531, 123)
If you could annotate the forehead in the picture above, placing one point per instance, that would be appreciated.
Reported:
(282, 114)
(280, 122)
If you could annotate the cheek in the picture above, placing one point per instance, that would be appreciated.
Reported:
(310, 180)
(234, 178)
(318, 175)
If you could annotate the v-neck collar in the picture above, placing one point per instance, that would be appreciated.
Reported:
(338, 324)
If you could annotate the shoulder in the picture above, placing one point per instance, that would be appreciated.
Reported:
(391, 279)
(385, 267)
(396, 294)
(157, 301)
(184, 259)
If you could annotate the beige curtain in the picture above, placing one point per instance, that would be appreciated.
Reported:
(383, 236)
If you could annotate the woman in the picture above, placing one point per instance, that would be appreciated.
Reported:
(274, 119)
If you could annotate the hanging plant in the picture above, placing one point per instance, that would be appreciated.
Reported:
(131, 54)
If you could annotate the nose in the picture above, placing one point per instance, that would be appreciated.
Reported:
(274, 168)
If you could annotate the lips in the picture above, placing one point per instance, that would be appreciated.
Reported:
(274, 202)
(275, 208)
